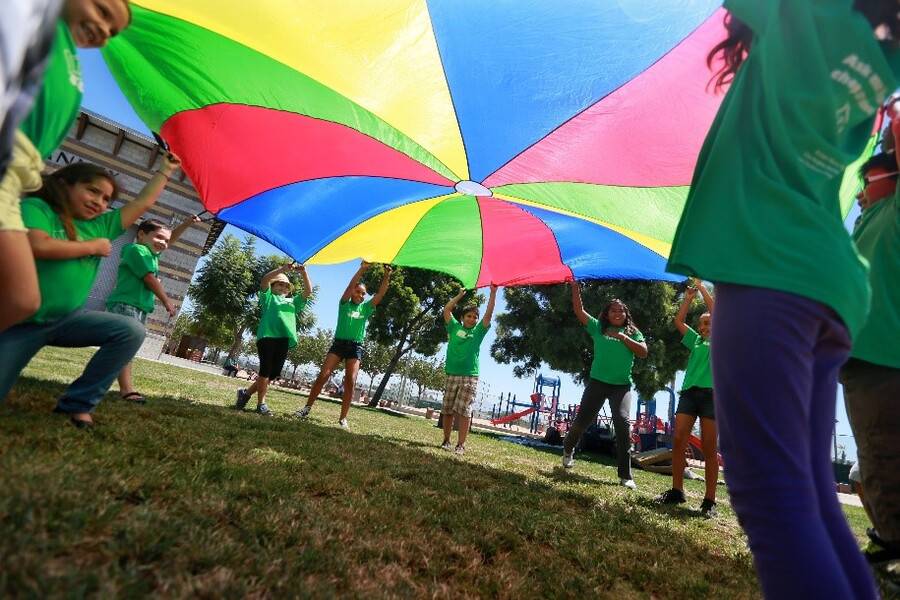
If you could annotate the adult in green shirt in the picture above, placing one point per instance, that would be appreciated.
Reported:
(696, 402)
(763, 222)
(277, 331)
(463, 347)
(56, 100)
(353, 315)
(871, 377)
(616, 342)
(69, 229)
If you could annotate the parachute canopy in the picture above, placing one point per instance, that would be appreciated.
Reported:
(509, 142)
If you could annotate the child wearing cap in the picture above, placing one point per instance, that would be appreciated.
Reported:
(277, 331)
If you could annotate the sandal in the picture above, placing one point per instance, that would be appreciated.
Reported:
(135, 397)
(77, 423)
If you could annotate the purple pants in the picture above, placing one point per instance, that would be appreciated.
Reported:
(775, 360)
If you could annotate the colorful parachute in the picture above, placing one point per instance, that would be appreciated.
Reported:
(510, 141)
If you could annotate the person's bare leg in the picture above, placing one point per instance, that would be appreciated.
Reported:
(253, 387)
(448, 426)
(126, 385)
(351, 368)
(683, 425)
(262, 384)
(463, 429)
(18, 279)
(709, 442)
(331, 361)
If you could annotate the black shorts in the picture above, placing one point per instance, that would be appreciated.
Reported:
(346, 349)
(272, 354)
(697, 402)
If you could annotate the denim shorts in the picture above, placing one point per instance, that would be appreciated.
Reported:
(128, 310)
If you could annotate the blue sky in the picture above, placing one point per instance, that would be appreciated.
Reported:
(103, 97)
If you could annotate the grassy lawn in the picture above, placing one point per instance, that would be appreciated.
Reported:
(186, 497)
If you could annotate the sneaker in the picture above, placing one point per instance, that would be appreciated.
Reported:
(242, 398)
(708, 509)
(263, 409)
(460, 450)
(672, 496)
(302, 413)
(344, 425)
(446, 446)
(568, 459)
(629, 483)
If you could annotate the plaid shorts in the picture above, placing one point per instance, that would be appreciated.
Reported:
(459, 395)
(127, 310)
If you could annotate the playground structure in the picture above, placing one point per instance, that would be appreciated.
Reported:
(544, 411)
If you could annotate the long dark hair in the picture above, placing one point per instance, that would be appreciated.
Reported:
(55, 190)
(734, 49)
(736, 45)
(630, 327)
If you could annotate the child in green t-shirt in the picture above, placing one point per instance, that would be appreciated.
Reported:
(354, 312)
(463, 347)
(69, 229)
(43, 124)
(277, 331)
(617, 341)
(137, 283)
(696, 402)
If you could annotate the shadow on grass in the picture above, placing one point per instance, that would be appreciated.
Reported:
(197, 499)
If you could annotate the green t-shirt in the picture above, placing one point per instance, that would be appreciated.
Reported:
(279, 316)
(463, 346)
(877, 238)
(65, 284)
(57, 103)
(352, 319)
(612, 359)
(698, 372)
(136, 261)
(764, 205)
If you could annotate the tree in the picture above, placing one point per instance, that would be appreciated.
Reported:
(310, 349)
(427, 374)
(539, 327)
(375, 361)
(410, 316)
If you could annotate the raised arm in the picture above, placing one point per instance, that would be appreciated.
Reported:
(354, 281)
(577, 306)
(489, 311)
(45, 247)
(448, 309)
(383, 288)
(182, 227)
(155, 286)
(268, 277)
(132, 211)
(689, 296)
(707, 297)
(307, 284)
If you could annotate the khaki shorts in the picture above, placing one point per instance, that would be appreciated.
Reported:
(23, 175)
(459, 395)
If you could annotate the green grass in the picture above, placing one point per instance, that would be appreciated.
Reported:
(184, 497)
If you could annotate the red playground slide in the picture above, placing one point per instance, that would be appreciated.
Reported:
(513, 416)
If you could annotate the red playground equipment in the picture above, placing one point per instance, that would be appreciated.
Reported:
(544, 409)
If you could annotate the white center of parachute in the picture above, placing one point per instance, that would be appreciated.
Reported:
(471, 188)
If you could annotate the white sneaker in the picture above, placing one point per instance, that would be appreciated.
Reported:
(629, 483)
(302, 413)
(446, 446)
(568, 459)
(343, 423)
(460, 450)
